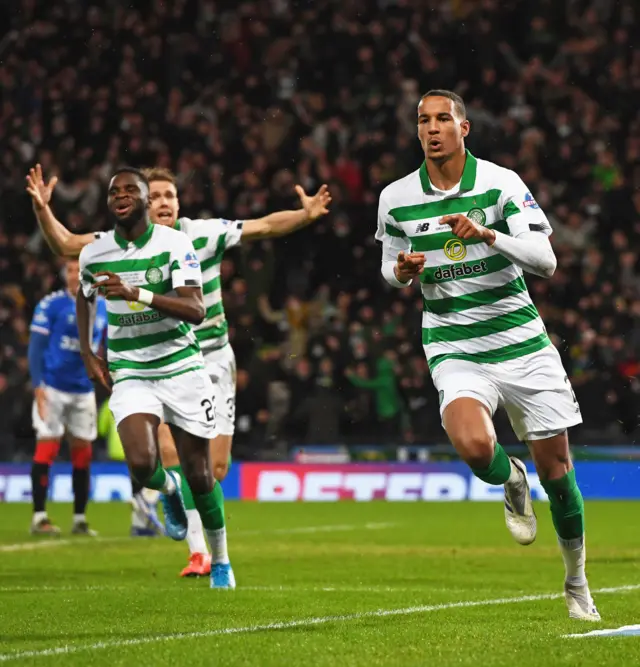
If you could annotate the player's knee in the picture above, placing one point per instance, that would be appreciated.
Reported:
(551, 456)
(200, 483)
(81, 456)
(142, 464)
(46, 451)
(476, 449)
(220, 469)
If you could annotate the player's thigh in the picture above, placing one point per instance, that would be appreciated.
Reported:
(468, 398)
(52, 427)
(82, 417)
(137, 410)
(189, 404)
(538, 396)
(168, 450)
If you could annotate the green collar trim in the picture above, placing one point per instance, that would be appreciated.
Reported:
(140, 242)
(467, 182)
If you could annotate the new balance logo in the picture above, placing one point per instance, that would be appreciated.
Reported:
(422, 227)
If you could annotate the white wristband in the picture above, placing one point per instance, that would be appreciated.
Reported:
(145, 296)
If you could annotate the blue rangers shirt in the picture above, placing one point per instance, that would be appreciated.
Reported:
(54, 345)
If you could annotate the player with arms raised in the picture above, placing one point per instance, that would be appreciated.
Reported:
(211, 238)
(153, 283)
(64, 399)
(467, 229)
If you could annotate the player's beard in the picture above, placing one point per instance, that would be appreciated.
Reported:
(138, 213)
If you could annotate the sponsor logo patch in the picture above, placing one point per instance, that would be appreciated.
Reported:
(455, 250)
(477, 215)
(153, 275)
(191, 260)
(460, 271)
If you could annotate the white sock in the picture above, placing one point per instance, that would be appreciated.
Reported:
(218, 543)
(195, 533)
(38, 517)
(138, 519)
(169, 486)
(574, 556)
(77, 518)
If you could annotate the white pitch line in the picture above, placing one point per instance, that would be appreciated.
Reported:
(624, 631)
(316, 529)
(301, 623)
(67, 589)
(54, 542)
(262, 589)
(48, 543)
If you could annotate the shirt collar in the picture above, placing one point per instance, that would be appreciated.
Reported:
(467, 182)
(140, 242)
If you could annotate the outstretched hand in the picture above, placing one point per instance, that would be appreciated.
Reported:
(317, 205)
(39, 191)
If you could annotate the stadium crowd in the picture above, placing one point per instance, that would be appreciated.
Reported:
(243, 99)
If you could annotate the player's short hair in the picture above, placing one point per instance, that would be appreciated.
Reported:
(458, 102)
(160, 174)
(131, 170)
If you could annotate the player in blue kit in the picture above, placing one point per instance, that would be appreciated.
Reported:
(64, 400)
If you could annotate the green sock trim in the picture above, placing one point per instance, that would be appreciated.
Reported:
(187, 496)
(567, 506)
(211, 508)
(158, 479)
(499, 469)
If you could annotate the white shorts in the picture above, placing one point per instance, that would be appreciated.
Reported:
(221, 367)
(534, 390)
(186, 400)
(74, 414)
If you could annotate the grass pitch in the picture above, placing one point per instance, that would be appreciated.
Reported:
(318, 584)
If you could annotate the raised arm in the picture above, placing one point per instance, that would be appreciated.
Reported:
(286, 222)
(58, 237)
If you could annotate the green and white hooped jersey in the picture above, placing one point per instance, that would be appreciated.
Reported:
(142, 342)
(476, 305)
(211, 238)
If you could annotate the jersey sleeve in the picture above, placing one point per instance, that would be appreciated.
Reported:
(42, 318)
(185, 267)
(222, 234)
(232, 230)
(389, 233)
(87, 281)
(520, 209)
